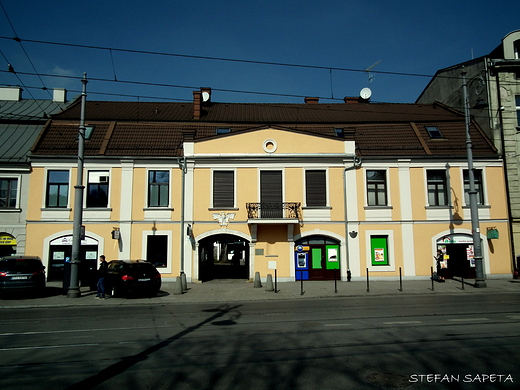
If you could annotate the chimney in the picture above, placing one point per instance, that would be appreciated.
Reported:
(59, 95)
(13, 94)
(197, 102)
(351, 100)
(312, 100)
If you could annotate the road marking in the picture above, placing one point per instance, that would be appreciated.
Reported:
(468, 319)
(337, 324)
(402, 322)
(79, 330)
(49, 347)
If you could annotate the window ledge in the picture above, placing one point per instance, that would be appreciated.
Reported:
(316, 208)
(55, 209)
(8, 210)
(438, 207)
(223, 208)
(379, 207)
(97, 209)
(158, 208)
(480, 206)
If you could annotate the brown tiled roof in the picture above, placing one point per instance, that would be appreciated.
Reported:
(258, 112)
(126, 129)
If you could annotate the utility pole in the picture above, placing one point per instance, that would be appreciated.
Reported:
(78, 201)
(475, 228)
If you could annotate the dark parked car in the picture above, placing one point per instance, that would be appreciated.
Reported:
(22, 273)
(132, 276)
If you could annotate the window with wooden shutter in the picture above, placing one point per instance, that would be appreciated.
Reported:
(223, 189)
(316, 188)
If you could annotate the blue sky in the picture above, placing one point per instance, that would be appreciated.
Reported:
(409, 37)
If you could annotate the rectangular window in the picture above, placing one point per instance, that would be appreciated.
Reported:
(57, 189)
(376, 188)
(223, 189)
(158, 188)
(437, 188)
(157, 250)
(8, 193)
(379, 250)
(97, 189)
(316, 188)
(477, 174)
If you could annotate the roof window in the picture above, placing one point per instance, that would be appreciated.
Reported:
(223, 130)
(88, 132)
(434, 132)
(339, 132)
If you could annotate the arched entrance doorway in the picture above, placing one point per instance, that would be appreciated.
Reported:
(223, 256)
(317, 258)
(60, 255)
(458, 256)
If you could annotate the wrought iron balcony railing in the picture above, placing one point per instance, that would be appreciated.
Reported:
(274, 210)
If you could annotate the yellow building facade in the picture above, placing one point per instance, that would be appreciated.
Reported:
(268, 199)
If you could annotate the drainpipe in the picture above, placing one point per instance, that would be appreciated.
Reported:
(182, 164)
(356, 164)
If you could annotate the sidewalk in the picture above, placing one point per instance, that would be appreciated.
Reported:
(238, 290)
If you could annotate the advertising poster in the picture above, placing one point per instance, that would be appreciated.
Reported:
(379, 254)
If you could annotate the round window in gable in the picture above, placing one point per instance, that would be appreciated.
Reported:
(270, 145)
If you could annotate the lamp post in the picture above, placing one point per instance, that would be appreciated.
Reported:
(475, 229)
(78, 202)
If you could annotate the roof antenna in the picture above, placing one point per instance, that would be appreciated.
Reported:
(370, 74)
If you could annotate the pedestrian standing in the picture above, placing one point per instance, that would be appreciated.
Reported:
(102, 272)
(440, 271)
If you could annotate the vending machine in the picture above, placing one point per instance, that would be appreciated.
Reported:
(301, 262)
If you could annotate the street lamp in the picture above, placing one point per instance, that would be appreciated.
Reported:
(74, 291)
(475, 229)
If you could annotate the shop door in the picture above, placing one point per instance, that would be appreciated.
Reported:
(271, 194)
(59, 263)
(324, 262)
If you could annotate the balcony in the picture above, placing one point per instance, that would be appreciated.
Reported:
(273, 212)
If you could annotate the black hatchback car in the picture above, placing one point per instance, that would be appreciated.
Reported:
(18, 273)
(132, 276)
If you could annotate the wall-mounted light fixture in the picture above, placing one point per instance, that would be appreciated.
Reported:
(353, 234)
(116, 234)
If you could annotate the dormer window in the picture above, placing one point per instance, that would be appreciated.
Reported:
(339, 132)
(434, 132)
(516, 49)
(223, 130)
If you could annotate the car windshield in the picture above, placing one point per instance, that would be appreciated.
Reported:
(20, 266)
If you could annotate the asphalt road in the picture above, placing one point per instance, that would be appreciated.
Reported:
(418, 342)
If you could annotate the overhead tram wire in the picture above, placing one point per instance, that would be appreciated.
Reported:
(178, 86)
(23, 49)
(328, 68)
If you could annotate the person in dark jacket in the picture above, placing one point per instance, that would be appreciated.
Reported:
(102, 272)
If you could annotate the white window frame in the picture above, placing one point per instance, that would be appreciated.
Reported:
(391, 250)
(147, 190)
(327, 187)
(169, 233)
(235, 188)
(18, 191)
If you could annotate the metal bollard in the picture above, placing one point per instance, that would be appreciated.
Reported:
(400, 280)
(431, 277)
(368, 282)
(335, 281)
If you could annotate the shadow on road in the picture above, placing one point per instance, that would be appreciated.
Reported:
(128, 361)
